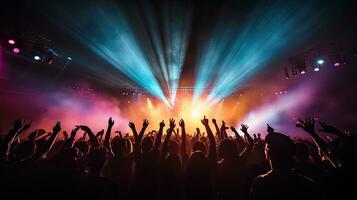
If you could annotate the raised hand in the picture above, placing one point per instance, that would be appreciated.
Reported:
(233, 129)
(145, 123)
(100, 133)
(270, 129)
(308, 125)
(18, 124)
(214, 121)
(162, 124)
(204, 121)
(65, 135)
(131, 125)
(329, 129)
(172, 123)
(119, 134)
(182, 123)
(244, 128)
(223, 123)
(25, 126)
(57, 127)
(168, 132)
(74, 132)
(223, 127)
(85, 128)
(110, 122)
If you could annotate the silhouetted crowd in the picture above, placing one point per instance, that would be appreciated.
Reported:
(168, 163)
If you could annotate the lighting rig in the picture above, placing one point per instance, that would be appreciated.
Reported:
(315, 60)
(33, 47)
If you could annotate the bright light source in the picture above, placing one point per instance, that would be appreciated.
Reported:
(37, 57)
(320, 61)
(12, 42)
(196, 114)
(16, 50)
(69, 58)
(337, 64)
(316, 69)
(303, 72)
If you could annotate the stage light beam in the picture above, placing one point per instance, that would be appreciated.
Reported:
(229, 56)
(114, 39)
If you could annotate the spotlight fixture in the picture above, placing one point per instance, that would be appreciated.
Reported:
(36, 57)
(302, 68)
(316, 69)
(320, 61)
(336, 60)
(11, 41)
(16, 50)
(298, 64)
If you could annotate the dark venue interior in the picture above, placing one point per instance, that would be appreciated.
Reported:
(178, 99)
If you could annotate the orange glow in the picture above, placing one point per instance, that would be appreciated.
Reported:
(191, 111)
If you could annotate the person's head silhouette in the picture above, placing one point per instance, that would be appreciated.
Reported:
(174, 147)
(147, 144)
(199, 146)
(279, 150)
(119, 146)
(227, 149)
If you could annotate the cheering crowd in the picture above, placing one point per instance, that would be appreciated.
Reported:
(169, 163)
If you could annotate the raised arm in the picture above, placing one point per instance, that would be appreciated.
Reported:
(70, 140)
(158, 136)
(331, 129)
(250, 141)
(223, 130)
(18, 127)
(184, 154)
(99, 135)
(107, 135)
(308, 125)
(137, 143)
(42, 151)
(92, 139)
(212, 147)
(165, 146)
(218, 132)
(138, 137)
(234, 130)
(145, 125)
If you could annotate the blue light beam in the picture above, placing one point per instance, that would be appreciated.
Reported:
(106, 31)
(170, 45)
(270, 31)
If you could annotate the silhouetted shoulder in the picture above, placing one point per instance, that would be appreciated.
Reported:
(289, 185)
